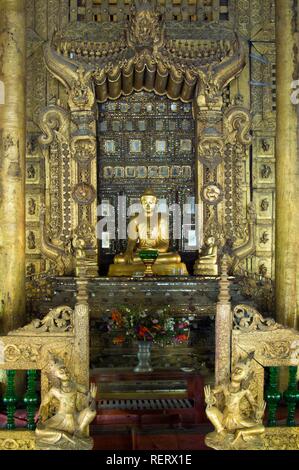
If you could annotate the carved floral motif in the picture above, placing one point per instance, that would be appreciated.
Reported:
(58, 320)
(248, 319)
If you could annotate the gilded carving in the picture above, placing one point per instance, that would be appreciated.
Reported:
(234, 426)
(211, 150)
(145, 28)
(17, 440)
(212, 194)
(81, 96)
(22, 352)
(58, 320)
(83, 149)
(248, 319)
(84, 193)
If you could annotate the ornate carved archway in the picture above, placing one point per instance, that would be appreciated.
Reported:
(194, 63)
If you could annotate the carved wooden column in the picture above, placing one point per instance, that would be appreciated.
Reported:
(287, 168)
(12, 158)
(84, 172)
(223, 329)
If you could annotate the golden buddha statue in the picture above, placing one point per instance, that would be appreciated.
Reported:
(148, 230)
(207, 264)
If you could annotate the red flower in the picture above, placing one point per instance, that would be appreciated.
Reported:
(116, 317)
(182, 338)
(118, 340)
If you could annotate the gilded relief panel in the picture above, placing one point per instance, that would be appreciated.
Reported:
(255, 21)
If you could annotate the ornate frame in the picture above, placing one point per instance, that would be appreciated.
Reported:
(146, 55)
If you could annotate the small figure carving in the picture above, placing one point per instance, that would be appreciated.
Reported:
(263, 270)
(265, 145)
(31, 173)
(264, 238)
(207, 264)
(68, 427)
(30, 269)
(31, 241)
(31, 206)
(266, 171)
(232, 428)
(265, 205)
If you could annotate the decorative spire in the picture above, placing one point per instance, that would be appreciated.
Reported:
(224, 294)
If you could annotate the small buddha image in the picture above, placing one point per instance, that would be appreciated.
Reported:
(148, 230)
(265, 145)
(31, 206)
(265, 205)
(207, 264)
(31, 172)
(31, 241)
(266, 171)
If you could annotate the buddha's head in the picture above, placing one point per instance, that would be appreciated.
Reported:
(148, 201)
(210, 241)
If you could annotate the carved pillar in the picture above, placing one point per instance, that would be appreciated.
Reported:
(223, 329)
(84, 172)
(12, 161)
(209, 155)
(287, 167)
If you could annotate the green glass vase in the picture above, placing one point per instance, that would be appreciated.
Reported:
(148, 258)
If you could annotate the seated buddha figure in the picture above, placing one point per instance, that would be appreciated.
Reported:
(148, 230)
(207, 264)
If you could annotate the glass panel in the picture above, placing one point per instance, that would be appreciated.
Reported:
(103, 126)
(136, 107)
(108, 172)
(119, 172)
(130, 172)
(185, 145)
(111, 106)
(159, 125)
(160, 146)
(110, 146)
(164, 171)
(141, 125)
(124, 107)
(172, 125)
(141, 172)
(175, 171)
(161, 107)
(149, 107)
(153, 172)
(186, 125)
(135, 146)
(116, 126)
(129, 125)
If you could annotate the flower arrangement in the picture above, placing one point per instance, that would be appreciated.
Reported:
(140, 324)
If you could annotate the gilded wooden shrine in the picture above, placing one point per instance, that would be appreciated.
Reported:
(180, 104)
